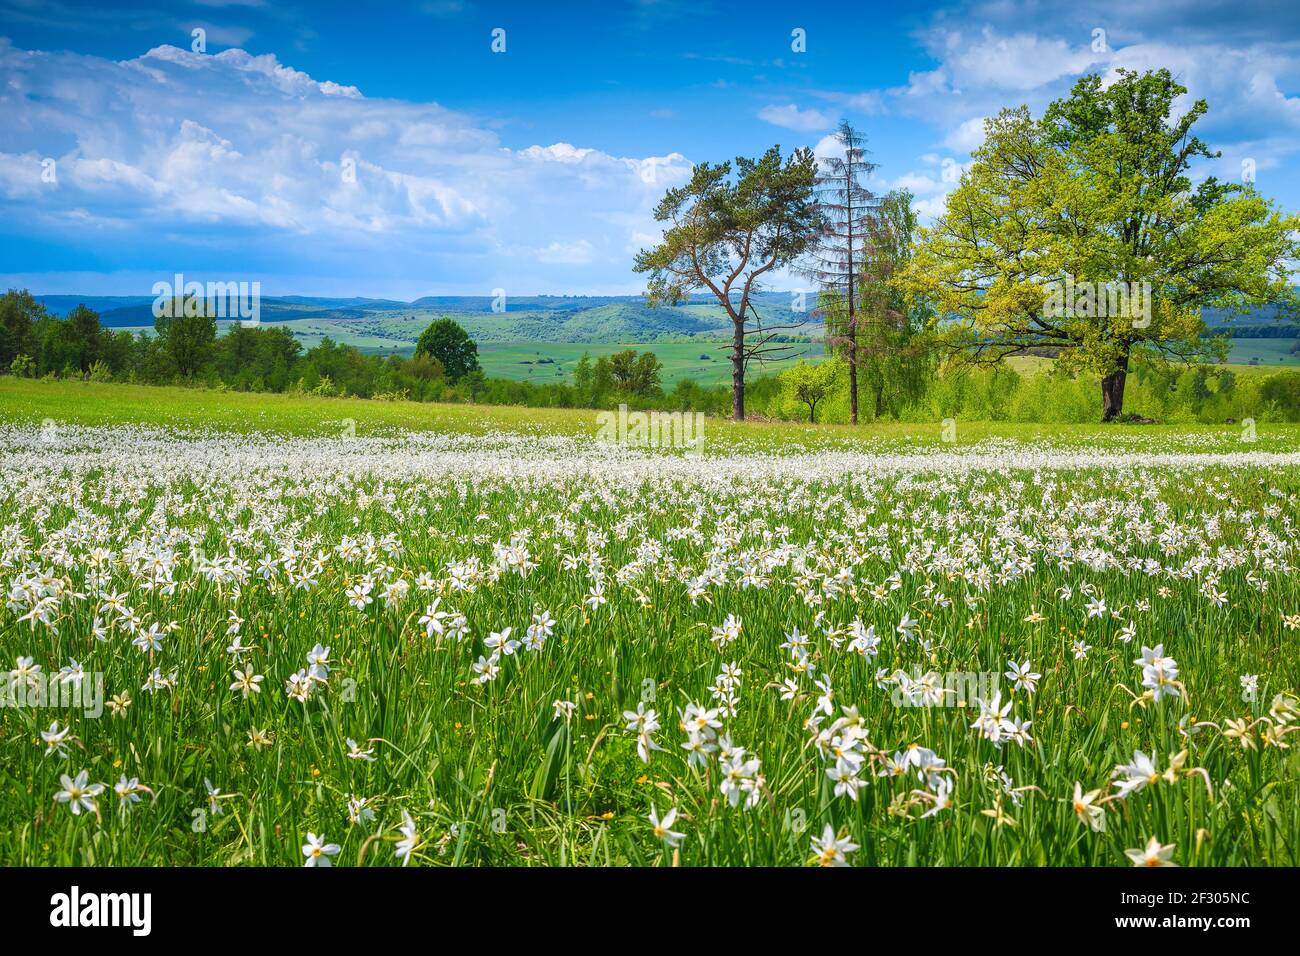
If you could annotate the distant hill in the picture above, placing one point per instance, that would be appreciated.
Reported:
(1269, 321)
(63, 304)
(388, 325)
(544, 318)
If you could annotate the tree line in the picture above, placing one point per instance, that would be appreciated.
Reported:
(185, 348)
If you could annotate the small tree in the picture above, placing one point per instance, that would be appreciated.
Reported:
(19, 313)
(810, 384)
(451, 345)
(23, 366)
(725, 235)
(636, 375)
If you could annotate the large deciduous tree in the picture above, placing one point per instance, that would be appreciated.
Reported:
(1096, 196)
(725, 234)
(451, 345)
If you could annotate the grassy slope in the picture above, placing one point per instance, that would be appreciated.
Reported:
(1274, 352)
(89, 403)
(507, 354)
(518, 361)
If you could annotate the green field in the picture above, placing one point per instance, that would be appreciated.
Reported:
(1271, 352)
(385, 634)
(31, 402)
(542, 359)
(537, 361)
(542, 363)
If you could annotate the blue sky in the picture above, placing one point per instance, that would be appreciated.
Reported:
(385, 149)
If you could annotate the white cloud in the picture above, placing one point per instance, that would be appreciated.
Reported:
(931, 208)
(918, 183)
(967, 137)
(187, 157)
(557, 153)
(569, 253)
(1020, 61)
(285, 78)
(992, 54)
(828, 146)
(792, 117)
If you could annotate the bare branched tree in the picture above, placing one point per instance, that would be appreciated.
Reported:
(848, 210)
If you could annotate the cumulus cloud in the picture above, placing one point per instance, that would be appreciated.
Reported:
(1018, 61)
(870, 102)
(967, 136)
(571, 253)
(184, 157)
(792, 117)
(992, 54)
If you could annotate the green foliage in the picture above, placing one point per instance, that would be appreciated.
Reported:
(19, 313)
(99, 372)
(451, 345)
(254, 358)
(188, 334)
(631, 374)
(1282, 392)
(23, 366)
(268, 359)
(726, 233)
(894, 354)
(1097, 191)
(808, 385)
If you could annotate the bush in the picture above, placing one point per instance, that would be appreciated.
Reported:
(1281, 391)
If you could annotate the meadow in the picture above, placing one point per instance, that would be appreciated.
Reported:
(702, 361)
(543, 347)
(387, 634)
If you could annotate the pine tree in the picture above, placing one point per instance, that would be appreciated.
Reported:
(848, 210)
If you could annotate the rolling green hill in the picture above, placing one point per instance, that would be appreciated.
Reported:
(593, 319)
(541, 338)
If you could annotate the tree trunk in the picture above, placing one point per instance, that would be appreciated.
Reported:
(738, 371)
(1112, 391)
(853, 369)
(853, 318)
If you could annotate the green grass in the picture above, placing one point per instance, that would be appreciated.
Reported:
(548, 363)
(539, 362)
(221, 506)
(1266, 352)
(111, 403)
(507, 351)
